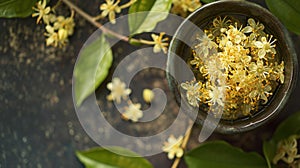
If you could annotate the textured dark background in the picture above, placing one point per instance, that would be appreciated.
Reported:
(38, 123)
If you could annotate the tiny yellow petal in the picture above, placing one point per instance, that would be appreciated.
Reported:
(156, 49)
(62, 34)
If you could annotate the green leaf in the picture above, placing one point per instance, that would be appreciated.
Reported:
(16, 8)
(219, 154)
(104, 158)
(145, 14)
(269, 149)
(288, 12)
(92, 68)
(208, 1)
(288, 127)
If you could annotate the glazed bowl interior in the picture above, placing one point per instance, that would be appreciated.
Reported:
(241, 10)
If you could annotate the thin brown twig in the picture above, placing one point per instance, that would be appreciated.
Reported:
(184, 143)
(56, 5)
(176, 162)
(90, 19)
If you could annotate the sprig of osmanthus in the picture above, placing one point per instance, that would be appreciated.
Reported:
(58, 28)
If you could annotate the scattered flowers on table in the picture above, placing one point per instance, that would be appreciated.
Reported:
(41, 11)
(118, 90)
(173, 147)
(133, 112)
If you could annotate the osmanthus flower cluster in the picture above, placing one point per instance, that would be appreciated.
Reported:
(180, 7)
(110, 8)
(58, 28)
(183, 7)
(288, 152)
(238, 68)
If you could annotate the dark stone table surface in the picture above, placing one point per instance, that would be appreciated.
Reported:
(38, 123)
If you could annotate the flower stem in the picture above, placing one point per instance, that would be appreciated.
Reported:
(184, 143)
(146, 42)
(90, 19)
(56, 5)
(176, 162)
(97, 17)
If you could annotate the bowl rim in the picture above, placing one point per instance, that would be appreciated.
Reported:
(250, 123)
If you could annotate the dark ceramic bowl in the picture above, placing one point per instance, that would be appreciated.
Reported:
(241, 10)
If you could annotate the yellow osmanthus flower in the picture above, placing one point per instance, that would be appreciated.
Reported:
(59, 32)
(205, 44)
(173, 147)
(52, 36)
(111, 7)
(160, 43)
(65, 23)
(58, 28)
(220, 25)
(42, 11)
(261, 92)
(216, 95)
(235, 35)
(192, 92)
(133, 112)
(259, 69)
(265, 46)
(182, 7)
(118, 90)
(287, 151)
(55, 38)
(50, 18)
(278, 73)
(255, 28)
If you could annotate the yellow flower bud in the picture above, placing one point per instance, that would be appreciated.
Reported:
(148, 95)
(62, 34)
